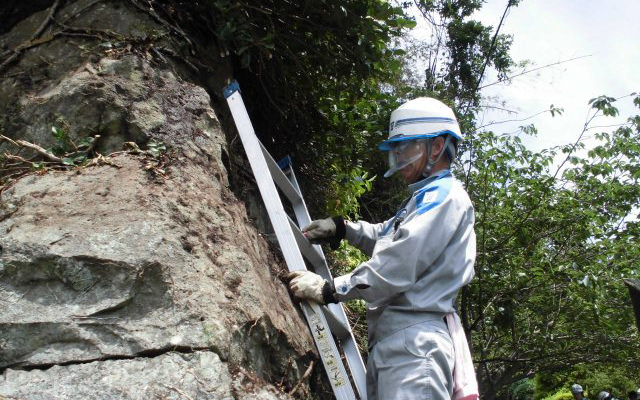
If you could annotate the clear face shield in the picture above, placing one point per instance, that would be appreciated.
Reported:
(403, 153)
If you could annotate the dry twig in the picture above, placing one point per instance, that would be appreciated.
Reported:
(39, 150)
(3, 137)
(16, 158)
(304, 377)
(102, 160)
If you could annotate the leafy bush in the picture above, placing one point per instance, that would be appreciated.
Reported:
(617, 380)
(593, 377)
(522, 389)
(562, 394)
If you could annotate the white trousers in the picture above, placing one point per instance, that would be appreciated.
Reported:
(413, 363)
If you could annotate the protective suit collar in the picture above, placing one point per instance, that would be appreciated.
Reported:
(420, 184)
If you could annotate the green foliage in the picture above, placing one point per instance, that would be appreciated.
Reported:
(617, 379)
(343, 261)
(156, 148)
(548, 383)
(272, 31)
(72, 154)
(522, 389)
(63, 142)
(554, 244)
(603, 103)
(348, 188)
(354, 131)
(562, 394)
(555, 110)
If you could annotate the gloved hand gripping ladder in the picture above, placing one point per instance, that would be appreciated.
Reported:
(323, 321)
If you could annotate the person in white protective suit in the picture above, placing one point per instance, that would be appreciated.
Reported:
(420, 259)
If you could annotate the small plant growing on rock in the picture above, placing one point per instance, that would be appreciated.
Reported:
(156, 148)
(71, 154)
(155, 156)
(63, 154)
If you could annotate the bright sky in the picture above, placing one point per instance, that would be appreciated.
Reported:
(548, 31)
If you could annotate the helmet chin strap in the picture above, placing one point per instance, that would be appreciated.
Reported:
(431, 163)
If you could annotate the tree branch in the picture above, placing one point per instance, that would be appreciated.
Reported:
(303, 378)
(39, 150)
(533, 70)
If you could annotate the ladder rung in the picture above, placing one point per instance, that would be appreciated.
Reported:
(308, 251)
(337, 327)
(281, 179)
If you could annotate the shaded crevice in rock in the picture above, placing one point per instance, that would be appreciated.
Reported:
(258, 346)
(14, 11)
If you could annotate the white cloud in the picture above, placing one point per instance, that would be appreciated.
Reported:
(547, 31)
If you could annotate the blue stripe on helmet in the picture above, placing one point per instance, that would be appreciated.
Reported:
(385, 146)
(430, 120)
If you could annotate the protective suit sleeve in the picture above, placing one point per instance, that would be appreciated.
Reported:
(363, 235)
(402, 258)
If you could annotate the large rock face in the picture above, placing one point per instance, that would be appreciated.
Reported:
(139, 276)
(201, 375)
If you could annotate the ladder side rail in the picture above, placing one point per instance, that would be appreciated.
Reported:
(315, 317)
(356, 364)
(302, 216)
(333, 365)
(348, 342)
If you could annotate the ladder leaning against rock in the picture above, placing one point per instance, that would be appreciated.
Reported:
(325, 322)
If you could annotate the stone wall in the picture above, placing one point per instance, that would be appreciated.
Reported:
(138, 275)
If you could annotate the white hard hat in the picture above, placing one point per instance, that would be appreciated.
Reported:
(423, 117)
(603, 395)
(576, 388)
(420, 118)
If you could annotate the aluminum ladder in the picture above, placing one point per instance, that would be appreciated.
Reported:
(325, 322)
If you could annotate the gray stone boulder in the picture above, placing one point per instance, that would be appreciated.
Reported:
(198, 375)
(139, 275)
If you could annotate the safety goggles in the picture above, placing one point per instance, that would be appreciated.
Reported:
(403, 153)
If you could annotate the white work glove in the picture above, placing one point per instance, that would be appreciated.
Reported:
(305, 285)
(328, 230)
(320, 229)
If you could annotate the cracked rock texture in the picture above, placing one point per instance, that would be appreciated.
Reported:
(141, 277)
(169, 376)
